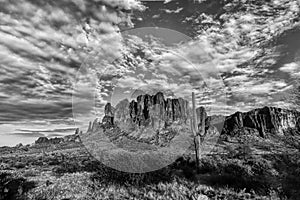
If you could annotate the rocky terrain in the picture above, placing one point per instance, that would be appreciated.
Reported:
(66, 170)
(150, 118)
(154, 120)
(148, 110)
(66, 139)
(263, 122)
(246, 167)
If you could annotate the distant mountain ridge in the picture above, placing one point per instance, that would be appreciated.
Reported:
(260, 121)
(157, 113)
(263, 121)
(58, 140)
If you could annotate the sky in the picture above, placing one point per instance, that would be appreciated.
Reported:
(246, 53)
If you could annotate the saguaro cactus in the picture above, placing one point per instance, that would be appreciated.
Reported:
(197, 129)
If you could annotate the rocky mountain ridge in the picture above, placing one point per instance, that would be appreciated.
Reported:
(263, 121)
(147, 111)
(149, 119)
(156, 112)
(58, 140)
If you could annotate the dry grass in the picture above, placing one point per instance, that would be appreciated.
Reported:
(70, 173)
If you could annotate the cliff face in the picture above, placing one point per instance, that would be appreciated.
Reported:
(109, 115)
(147, 111)
(267, 120)
(157, 113)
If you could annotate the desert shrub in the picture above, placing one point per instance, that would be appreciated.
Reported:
(260, 166)
(53, 161)
(111, 176)
(4, 166)
(252, 173)
(30, 173)
(90, 165)
(291, 186)
(237, 168)
(19, 165)
(209, 165)
(13, 187)
(184, 166)
(242, 151)
(69, 186)
(67, 167)
(288, 167)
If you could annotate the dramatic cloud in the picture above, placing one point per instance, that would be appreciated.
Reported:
(292, 68)
(236, 55)
(42, 46)
(235, 51)
(248, 43)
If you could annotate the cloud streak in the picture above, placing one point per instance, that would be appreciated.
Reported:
(42, 45)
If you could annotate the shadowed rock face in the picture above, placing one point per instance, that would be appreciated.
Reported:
(109, 115)
(42, 140)
(148, 111)
(265, 120)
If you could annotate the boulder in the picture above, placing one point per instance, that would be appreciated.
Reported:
(42, 140)
(19, 145)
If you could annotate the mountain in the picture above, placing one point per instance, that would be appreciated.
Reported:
(147, 111)
(66, 139)
(263, 121)
(153, 114)
(151, 119)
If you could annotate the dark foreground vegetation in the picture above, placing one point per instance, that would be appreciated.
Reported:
(43, 173)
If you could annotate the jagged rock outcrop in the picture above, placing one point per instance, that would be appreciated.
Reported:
(201, 113)
(109, 114)
(58, 140)
(45, 140)
(90, 127)
(266, 120)
(122, 114)
(93, 126)
(42, 140)
(147, 111)
(73, 138)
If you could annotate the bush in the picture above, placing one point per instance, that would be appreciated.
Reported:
(19, 165)
(12, 187)
(69, 186)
